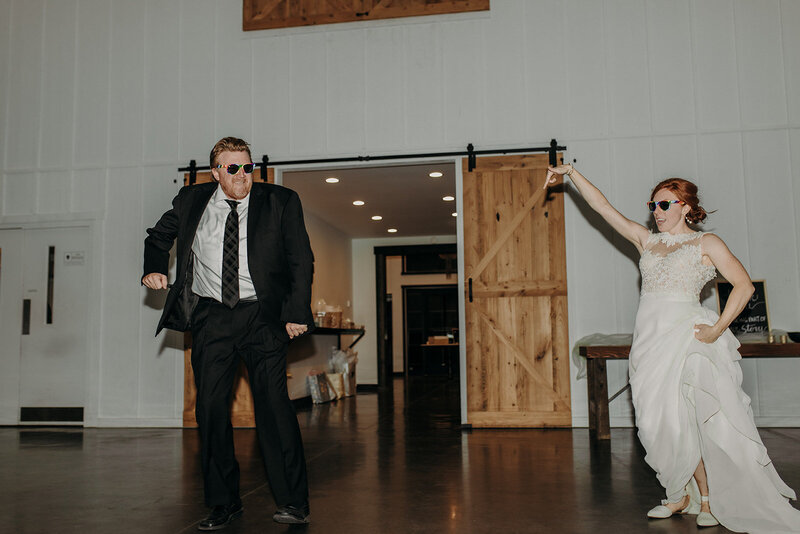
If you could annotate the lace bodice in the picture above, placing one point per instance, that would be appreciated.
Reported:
(673, 264)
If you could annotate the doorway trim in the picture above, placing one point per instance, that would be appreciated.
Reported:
(456, 161)
(385, 367)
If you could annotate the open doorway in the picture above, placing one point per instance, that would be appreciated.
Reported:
(352, 213)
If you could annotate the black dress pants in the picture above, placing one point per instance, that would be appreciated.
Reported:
(220, 336)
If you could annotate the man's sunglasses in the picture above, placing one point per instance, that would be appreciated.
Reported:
(233, 168)
(663, 204)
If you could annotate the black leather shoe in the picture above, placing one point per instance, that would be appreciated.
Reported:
(291, 515)
(220, 516)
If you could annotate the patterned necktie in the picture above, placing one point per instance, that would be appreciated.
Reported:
(230, 257)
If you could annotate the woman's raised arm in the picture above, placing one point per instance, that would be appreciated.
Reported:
(630, 230)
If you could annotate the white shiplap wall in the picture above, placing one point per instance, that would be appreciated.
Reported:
(103, 99)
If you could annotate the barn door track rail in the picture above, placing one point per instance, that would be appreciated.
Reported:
(470, 152)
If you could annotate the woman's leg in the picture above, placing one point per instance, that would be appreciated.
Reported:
(702, 484)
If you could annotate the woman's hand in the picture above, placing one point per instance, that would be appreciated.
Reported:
(706, 333)
(552, 171)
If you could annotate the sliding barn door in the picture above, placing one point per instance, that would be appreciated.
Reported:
(516, 307)
(242, 412)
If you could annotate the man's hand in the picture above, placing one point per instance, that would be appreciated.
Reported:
(155, 281)
(294, 329)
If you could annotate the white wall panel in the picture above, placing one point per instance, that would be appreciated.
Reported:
(385, 89)
(628, 69)
(424, 92)
(669, 45)
(161, 82)
(790, 22)
(271, 120)
(631, 167)
(715, 65)
(24, 85)
(794, 149)
(675, 156)
(462, 49)
(345, 95)
(773, 237)
(53, 192)
(307, 94)
(91, 112)
(593, 285)
(88, 190)
(233, 73)
(504, 75)
(126, 85)
(591, 279)
(5, 51)
(545, 71)
(122, 260)
(19, 194)
(160, 357)
(58, 84)
(586, 83)
(722, 189)
(197, 68)
(760, 53)
(772, 229)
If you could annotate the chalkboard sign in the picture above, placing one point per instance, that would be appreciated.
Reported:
(755, 316)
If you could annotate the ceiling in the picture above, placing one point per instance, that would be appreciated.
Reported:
(405, 196)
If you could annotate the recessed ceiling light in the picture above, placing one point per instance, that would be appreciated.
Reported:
(332, 180)
(448, 198)
(392, 230)
(358, 203)
(435, 174)
(454, 214)
(376, 217)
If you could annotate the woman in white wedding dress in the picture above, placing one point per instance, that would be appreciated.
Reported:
(694, 420)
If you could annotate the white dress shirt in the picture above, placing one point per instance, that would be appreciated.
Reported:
(207, 249)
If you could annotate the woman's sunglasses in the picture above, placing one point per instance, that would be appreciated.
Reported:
(233, 168)
(663, 204)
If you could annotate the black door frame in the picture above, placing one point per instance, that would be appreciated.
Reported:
(385, 370)
(423, 287)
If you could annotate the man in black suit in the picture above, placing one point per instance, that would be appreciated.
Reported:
(243, 288)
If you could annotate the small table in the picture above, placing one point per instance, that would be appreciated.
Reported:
(339, 332)
(597, 381)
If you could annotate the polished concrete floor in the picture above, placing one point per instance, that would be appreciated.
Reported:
(378, 463)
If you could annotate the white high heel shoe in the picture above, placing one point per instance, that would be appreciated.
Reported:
(706, 519)
(662, 512)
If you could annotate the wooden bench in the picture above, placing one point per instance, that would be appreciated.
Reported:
(597, 381)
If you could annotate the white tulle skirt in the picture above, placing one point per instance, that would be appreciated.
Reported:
(689, 405)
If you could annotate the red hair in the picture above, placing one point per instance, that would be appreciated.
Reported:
(687, 192)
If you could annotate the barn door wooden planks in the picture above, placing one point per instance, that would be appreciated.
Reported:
(516, 307)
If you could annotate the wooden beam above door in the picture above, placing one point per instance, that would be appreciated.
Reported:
(270, 14)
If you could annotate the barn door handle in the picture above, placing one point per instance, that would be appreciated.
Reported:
(26, 317)
(470, 289)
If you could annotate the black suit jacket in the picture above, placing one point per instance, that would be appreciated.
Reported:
(278, 255)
